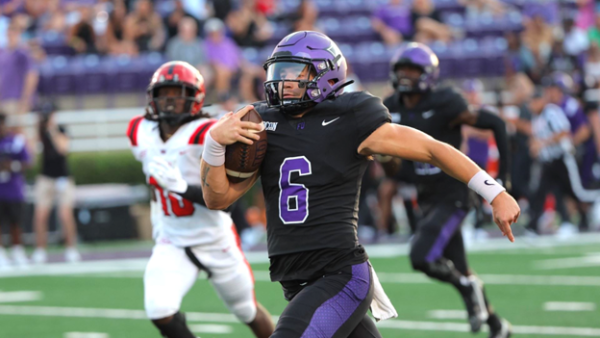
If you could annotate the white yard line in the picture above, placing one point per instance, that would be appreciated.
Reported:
(20, 296)
(589, 260)
(85, 335)
(229, 318)
(569, 306)
(211, 328)
(447, 314)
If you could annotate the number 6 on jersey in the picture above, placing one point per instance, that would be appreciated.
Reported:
(293, 197)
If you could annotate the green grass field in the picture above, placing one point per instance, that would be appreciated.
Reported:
(77, 302)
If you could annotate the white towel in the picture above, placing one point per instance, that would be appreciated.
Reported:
(381, 306)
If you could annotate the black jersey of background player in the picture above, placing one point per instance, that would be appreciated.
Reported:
(311, 178)
(433, 115)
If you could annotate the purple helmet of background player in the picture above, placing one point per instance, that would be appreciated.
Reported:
(416, 55)
(295, 54)
(561, 80)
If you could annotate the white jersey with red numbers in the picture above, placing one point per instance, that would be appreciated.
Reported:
(178, 221)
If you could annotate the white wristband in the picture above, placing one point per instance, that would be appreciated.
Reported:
(214, 152)
(486, 186)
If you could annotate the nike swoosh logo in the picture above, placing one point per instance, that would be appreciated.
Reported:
(329, 122)
(486, 183)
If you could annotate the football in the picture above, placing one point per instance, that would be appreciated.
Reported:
(243, 160)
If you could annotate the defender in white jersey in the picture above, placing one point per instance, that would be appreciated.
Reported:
(168, 141)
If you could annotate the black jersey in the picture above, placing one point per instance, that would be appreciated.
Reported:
(311, 178)
(433, 116)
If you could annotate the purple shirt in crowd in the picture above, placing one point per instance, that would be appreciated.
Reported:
(224, 52)
(12, 186)
(396, 17)
(14, 66)
(574, 113)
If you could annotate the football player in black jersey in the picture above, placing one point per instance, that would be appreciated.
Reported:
(437, 248)
(319, 143)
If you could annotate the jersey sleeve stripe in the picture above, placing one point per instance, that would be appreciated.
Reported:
(198, 135)
(132, 129)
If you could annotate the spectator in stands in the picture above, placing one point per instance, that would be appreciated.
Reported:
(173, 19)
(392, 22)
(427, 23)
(188, 47)
(223, 54)
(13, 158)
(18, 75)
(575, 40)
(586, 13)
(198, 9)
(54, 184)
(519, 86)
(220, 8)
(519, 58)
(115, 31)
(249, 26)
(53, 22)
(144, 27)
(559, 60)
(9, 7)
(594, 31)
(82, 37)
(538, 38)
(306, 16)
(591, 66)
(475, 8)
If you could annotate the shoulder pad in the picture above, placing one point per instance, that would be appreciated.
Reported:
(132, 130)
(200, 132)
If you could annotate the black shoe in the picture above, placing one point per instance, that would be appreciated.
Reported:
(475, 303)
(504, 331)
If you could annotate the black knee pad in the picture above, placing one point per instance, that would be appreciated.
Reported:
(441, 269)
(176, 328)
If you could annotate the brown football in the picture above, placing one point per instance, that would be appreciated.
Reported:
(243, 160)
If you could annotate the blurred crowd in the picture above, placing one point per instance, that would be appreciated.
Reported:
(205, 33)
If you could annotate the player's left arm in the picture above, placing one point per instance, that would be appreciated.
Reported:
(414, 145)
(484, 119)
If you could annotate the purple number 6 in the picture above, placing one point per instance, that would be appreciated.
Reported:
(293, 197)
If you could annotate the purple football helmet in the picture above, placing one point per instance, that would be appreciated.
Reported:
(416, 55)
(561, 80)
(295, 58)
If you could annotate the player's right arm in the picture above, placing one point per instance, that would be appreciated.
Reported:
(377, 136)
(414, 145)
(218, 192)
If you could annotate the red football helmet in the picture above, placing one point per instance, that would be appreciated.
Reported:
(189, 104)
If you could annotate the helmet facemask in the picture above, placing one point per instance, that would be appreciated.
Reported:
(174, 109)
(290, 85)
(405, 79)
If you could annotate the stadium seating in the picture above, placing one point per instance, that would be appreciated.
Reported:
(478, 54)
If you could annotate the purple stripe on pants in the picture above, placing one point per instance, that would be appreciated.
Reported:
(445, 234)
(332, 314)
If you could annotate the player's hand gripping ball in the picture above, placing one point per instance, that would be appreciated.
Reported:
(242, 160)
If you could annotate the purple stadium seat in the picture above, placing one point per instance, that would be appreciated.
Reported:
(58, 76)
(90, 77)
(55, 44)
(331, 8)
